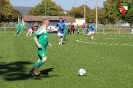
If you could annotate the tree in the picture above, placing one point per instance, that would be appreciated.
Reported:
(78, 12)
(91, 17)
(15, 14)
(109, 12)
(31, 12)
(52, 9)
(7, 13)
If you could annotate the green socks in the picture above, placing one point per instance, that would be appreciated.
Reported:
(37, 65)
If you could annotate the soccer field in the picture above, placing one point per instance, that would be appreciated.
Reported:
(108, 61)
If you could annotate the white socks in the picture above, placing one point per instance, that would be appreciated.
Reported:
(60, 41)
(92, 37)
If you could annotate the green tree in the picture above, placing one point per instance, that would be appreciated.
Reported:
(91, 17)
(7, 13)
(52, 9)
(78, 12)
(109, 12)
(15, 14)
(31, 12)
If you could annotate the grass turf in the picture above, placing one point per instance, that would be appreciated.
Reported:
(107, 60)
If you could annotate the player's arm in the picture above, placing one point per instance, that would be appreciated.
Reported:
(49, 45)
(36, 40)
(57, 26)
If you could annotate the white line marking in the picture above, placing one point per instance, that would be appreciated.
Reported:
(130, 36)
(110, 44)
(86, 42)
(116, 44)
(125, 44)
(103, 43)
(111, 38)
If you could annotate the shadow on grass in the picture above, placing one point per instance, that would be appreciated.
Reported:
(1, 57)
(18, 71)
(46, 71)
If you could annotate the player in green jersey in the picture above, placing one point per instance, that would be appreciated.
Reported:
(65, 29)
(22, 27)
(41, 40)
(18, 28)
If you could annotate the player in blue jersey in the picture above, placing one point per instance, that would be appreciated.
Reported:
(60, 27)
(91, 30)
(29, 31)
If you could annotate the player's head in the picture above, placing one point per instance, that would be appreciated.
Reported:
(60, 19)
(45, 22)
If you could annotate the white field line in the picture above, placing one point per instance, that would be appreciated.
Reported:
(104, 43)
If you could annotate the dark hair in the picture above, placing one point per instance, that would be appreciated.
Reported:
(60, 18)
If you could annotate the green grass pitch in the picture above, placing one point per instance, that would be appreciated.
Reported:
(108, 60)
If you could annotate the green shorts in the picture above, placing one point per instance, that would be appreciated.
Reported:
(41, 52)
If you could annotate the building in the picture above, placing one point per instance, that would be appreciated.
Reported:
(52, 19)
(79, 21)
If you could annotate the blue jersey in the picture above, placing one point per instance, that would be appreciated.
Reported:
(61, 27)
(91, 27)
(30, 26)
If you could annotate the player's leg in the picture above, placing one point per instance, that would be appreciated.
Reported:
(68, 31)
(92, 35)
(84, 31)
(31, 32)
(59, 38)
(62, 38)
(73, 31)
(65, 32)
(64, 35)
(42, 58)
(27, 33)
(19, 32)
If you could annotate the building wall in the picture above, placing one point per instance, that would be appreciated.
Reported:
(79, 21)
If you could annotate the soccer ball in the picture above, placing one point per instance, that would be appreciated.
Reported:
(82, 72)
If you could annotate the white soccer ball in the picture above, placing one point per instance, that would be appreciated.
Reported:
(82, 72)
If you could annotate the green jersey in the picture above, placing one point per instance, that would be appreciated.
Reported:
(22, 27)
(42, 36)
(18, 26)
(66, 26)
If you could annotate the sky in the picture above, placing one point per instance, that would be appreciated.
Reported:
(65, 4)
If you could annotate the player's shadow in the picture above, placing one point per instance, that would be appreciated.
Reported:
(46, 71)
(15, 70)
(1, 57)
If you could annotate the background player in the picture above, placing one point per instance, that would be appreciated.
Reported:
(61, 27)
(84, 29)
(65, 29)
(41, 40)
(91, 30)
(18, 28)
(29, 31)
